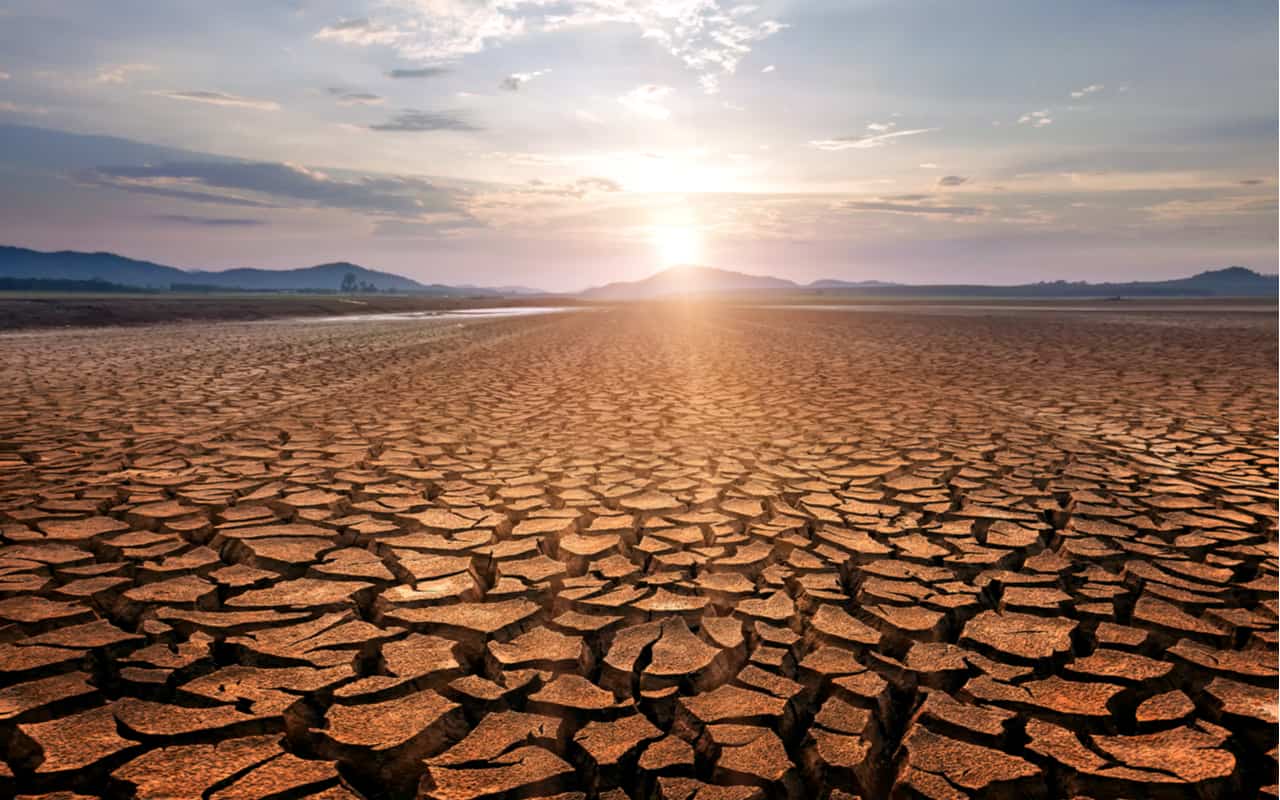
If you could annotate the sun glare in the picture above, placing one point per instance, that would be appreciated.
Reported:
(677, 245)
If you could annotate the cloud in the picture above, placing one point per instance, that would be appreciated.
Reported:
(430, 227)
(952, 180)
(769, 68)
(515, 80)
(914, 204)
(277, 185)
(213, 222)
(349, 98)
(928, 165)
(418, 72)
(362, 31)
(220, 99)
(872, 140)
(4, 76)
(413, 121)
(120, 72)
(702, 35)
(15, 108)
(1192, 210)
(444, 31)
(646, 101)
(1088, 90)
(1036, 119)
(577, 189)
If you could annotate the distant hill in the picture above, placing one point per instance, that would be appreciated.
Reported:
(322, 276)
(834, 284)
(1228, 282)
(506, 290)
(68, 265)
(17, 262)
(685, 280)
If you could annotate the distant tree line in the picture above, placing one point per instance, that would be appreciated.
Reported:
(204, 288)
(350, 285)
(64, 285)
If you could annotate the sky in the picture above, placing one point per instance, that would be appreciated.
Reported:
(568, 143)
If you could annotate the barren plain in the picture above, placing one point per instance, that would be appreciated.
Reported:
(684, 551)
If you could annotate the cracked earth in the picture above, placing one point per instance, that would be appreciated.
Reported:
(693, 553)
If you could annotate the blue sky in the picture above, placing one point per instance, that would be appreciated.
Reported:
(562, 143)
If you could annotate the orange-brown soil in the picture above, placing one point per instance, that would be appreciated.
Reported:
(672, 551)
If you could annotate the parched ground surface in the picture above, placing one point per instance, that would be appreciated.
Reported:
(689, 552)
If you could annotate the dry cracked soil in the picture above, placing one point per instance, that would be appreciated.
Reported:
(685, 552)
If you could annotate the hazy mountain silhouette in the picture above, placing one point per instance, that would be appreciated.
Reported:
(17, 262)
(685, 280)
(68, 265)
(1228, 282)
(835, 284)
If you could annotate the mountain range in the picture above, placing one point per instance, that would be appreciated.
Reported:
(1228, 282)
(67, 265)
(71, 266)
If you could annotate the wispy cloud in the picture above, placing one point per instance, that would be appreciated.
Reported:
(882, 133)
(4, 76)
(361, 31)
(577, 189)
(414, 121)
(220, 99)
(119, 73)
(417, 72)
(1036, 119)
(430, 227)
(17, 108)
(277, 185)
(1183, 210)
(769, 68)
(915, 204)
(349, 98)
(211, 222)
(515, 80)
(647, 101)
(952, 180)
(1088, 90)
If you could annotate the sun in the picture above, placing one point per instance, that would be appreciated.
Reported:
(677, 244)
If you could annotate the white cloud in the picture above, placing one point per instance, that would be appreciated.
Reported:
(882, 133)
(119, 73)
(704, 37)
(1090, 89)
(709, 83)
(220, 99)
(928, 165)
(769, 68)
(646, 101)
(1036, 119)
